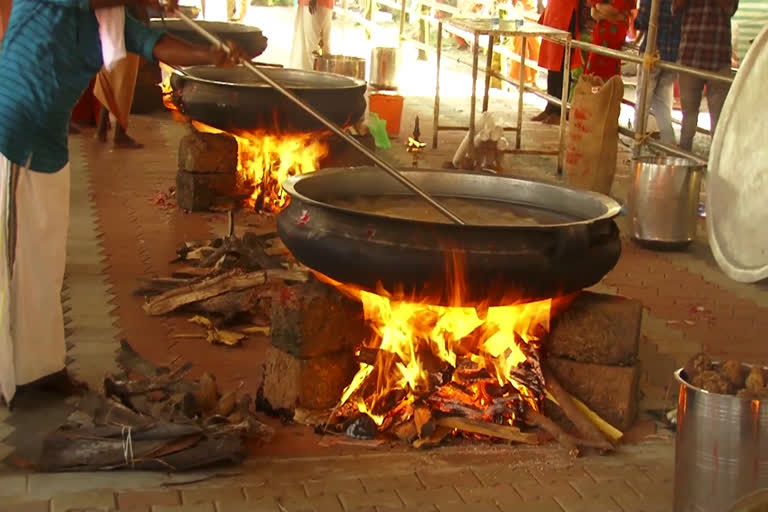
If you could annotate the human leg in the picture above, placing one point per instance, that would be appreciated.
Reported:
(37, 321)
(103, 125)
(305, 39)
(662, 92)
(690, 101)
(717, 92)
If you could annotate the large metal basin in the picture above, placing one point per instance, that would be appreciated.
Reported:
(502, 264)
(721, 449)
(235, 99)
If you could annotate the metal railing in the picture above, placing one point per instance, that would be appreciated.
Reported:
(645, 59)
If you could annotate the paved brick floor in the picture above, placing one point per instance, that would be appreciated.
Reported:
(119, 233)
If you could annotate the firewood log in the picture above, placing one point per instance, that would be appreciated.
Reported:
(485, 428)
(582, 423)
(424, 421)
(235, 280)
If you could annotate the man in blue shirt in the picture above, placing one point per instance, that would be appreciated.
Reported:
(662, 81)
(50, 52)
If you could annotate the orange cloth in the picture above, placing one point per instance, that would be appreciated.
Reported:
(320, 3)
(114, 89)
(532, 46)
(5, 15)
(558, 14)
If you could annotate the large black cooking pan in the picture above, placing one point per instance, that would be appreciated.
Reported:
(236, 99)
(250, 39)
(502, 263)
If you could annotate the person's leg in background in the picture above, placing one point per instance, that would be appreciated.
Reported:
(690, 100)
(661, 90)
(304, 39)
(717, 92)
(322, 21)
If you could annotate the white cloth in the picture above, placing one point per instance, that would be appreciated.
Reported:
(112, 34)
(31, 317)
(306, 35)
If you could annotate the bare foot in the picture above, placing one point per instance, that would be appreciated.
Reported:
(125, 141)
(541, 116)
(552, 119)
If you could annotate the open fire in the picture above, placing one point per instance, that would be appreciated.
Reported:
(473, 361)
(265, 158)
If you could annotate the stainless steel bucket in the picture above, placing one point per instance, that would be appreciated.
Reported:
(663, 199)
(721, 449)
(385, 67)
(353, 67)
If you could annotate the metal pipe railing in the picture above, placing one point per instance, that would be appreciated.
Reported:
(641, 106)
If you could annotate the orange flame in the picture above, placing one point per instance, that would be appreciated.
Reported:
(411, 334)
(265, 159)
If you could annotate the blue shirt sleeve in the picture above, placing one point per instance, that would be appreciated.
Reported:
(79, 4)
(141, 39)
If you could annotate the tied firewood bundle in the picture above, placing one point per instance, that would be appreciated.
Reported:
(157, 421)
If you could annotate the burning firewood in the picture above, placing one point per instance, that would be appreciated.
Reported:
(485, 428)
(424, 421)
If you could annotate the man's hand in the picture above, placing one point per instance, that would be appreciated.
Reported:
(312, 6)
(232, 56)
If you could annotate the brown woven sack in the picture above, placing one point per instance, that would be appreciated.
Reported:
(590, 159)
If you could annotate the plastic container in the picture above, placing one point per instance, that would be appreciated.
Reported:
(389, 107)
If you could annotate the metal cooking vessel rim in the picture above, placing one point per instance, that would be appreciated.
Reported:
(681, 380)
(354, 82)
(613, 208)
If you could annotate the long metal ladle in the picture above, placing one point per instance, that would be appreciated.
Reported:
(331, 126)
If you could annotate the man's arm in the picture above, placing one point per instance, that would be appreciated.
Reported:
(98, 4)
(154, 44)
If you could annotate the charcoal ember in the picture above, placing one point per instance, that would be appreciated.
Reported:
(388, 401)
(710, 380)
(755, 381)
(361, 427)
(733, 372)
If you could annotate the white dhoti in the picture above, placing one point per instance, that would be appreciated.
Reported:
(34, 218)
(306, 35)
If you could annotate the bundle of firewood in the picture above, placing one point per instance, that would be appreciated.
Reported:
(152, 418)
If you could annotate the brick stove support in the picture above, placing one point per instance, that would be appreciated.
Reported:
(207, 169)
(592, 350)
(315, 330)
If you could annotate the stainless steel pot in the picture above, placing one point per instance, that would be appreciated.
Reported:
(721, 449)
(341, 65)
(663, 200)
(385, 67)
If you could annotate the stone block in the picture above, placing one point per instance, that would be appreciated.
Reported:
(610, 391)
(597, 328)
(199, 191)
(313, 318)
(312, 383)
(208, 153)
(342, 154)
